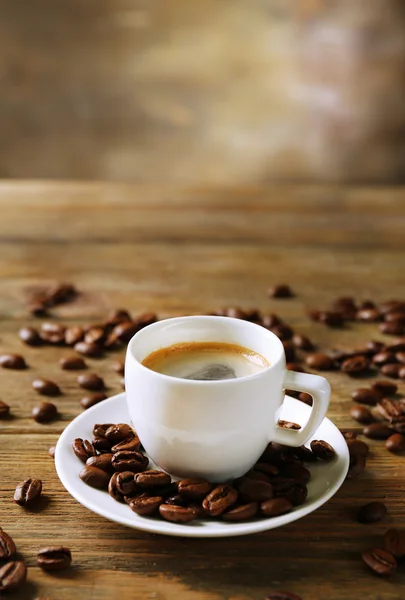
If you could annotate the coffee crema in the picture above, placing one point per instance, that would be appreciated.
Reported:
(206, 361)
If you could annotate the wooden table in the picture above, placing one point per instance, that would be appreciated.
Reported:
(179, 251)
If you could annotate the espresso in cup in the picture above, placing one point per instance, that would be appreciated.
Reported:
(206, 361)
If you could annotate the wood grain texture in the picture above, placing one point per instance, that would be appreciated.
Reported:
(184, 251)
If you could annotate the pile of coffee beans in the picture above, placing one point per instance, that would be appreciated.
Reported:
(276, 484)
(14, 572)
(42, 299)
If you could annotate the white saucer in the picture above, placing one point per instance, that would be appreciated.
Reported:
(326, 478)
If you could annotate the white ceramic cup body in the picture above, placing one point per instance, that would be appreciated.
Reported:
(214, 429)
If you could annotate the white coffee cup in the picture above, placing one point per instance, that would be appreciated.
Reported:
(214, 429)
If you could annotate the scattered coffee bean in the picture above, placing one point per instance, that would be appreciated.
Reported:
(394, 542)
(392, 328)
(356, 365)
(91, 350)
(374, 347)
(118, 316)
(314, 314)
(129, 461)
(390, 305)
(320, 362)
(362, 415)
(377, 431)
(95, 477)
(30, 336)
(92, 399)
(400, 356)
(45, 412)
(322, 450)
(53, 333)
(122, 333)
(145, 505)
(282, 596)
(356, 466)
(130, 443)
(391, 370)
(152, 479)
(384, 358)
(380, 561)
(303, 453)
(94, 335)
(288, 425)
(385, 388)
(235, 312)
(176, 514)
(280, 291)
(72, 363)
(73, 335)
(13, 361)
(46, 387)
(372, 512)
(369, 315)
(294, 366)
(401, 373)
(270, 321)
(148, 318)
(390, 409)
(28, 492)
(54, 558)
(83, 449)
(397, 346)
(117, 433)
(90, 381)
(51, 451)
(331, 318)
(219, 500)
(101, 461)
(348, 435)
(100, 429)
(7, 546)
(395, 443)
(302, 342)
(241, 513)
(4, 410)
(358, 448)
(118, 366)
(60, 293)
(289, 351)
(12, 575)
(37, 308)
(366, 396)
(306, 398)
(275, 507)
(282, 331)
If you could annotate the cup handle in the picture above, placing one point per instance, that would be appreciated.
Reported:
(319, 389)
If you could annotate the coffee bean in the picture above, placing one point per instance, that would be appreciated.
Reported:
(271, 320)
(83, 449)
(129, 461)
(13, 361)
(90, 381)
(391, 370)
(118, 366)
(255, 491)
(95, 477)
(30, 336)
(145, 505)
(374, 347)
(37, 308)
(356, 466)
(122, 485)
(306, 398)
(235, 312)
(288, 424)
(391, 305)
(12, 575)
(296, 472)
(51, 451)
(194, 488)
(28, 492)
(117, 433)
(72, 363)
(384, 358)
(94, 335)
(101, 461)
(219, 500)
(400, 356)
(241, 513)
(252, 474)
(91, 350)
(101, 444)
(395, 443)
(394, 542)
(280, 290)
(122, 332)
(113, 489)
(73, 335)
(118, 315)
(401, 373)
(302, 342)
(152, 478)
(348, 435)
(130, 443)
(385, 388)
(368, 315)
(52, 333)
(366, 396)
(322, 450)
(176, 514)
(275, 507)
(377, 431)
(372, 512)
(282, 331)
(46, 387)
(45, 412)
(314, 314)
(289, 351)
(100, 429)
(361, 414)
(60, 293)
(282, 596)
(148, 318)
(397, 345)
(294, 366)
(4, 410)
(396, 316)
(393, 328)
(380, 561)
(7, 546)
(304, 454)
(358, 448)
(320, 362)
(355, 365)
(297, 494)
(389, 409)
(331, 318)
(92, 399)
(54, 558)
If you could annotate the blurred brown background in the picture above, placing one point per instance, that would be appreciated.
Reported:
(212, 91)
